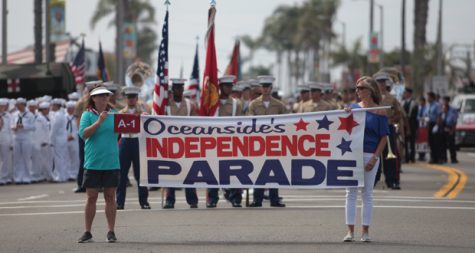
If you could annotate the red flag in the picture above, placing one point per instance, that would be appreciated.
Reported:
(210, 89)
(234, 66)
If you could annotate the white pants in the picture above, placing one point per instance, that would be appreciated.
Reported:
(36, 159)
(47, 163)
(366, 196)
(73, 158)
(22, 159)
(6, 166)
(61, 161)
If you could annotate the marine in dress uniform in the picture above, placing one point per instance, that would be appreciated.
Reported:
(245, 95)
(180, 106)
(228, 107)
(304, 94)
(329, 95)
(6, 144)
(316, 103)
(129, 152)
(390, 167)
(266, 105)
(23, 124)
(112, 87)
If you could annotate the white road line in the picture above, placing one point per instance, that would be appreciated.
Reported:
(34, 197)
(264, 208)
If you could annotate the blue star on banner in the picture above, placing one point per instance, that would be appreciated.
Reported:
(324, 123)
(344, 146)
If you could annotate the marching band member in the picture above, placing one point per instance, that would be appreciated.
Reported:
(129, 153)
(23, 124)
(228, 107)
(266, 105)
(59, 140)
(180, 106)
(6, 144)
(73, 143)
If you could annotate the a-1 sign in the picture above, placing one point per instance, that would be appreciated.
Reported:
(126, 123)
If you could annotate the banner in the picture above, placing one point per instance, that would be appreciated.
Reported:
(312, 150)
(57, 21)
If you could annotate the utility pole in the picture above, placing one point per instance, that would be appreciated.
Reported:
(119, 42)
(403, 36)
(381, 34)
(47, 32)
(371, 17)
(4, 31)
(439, 43)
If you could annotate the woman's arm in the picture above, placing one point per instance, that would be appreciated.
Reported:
(379, 150)
(90, 130)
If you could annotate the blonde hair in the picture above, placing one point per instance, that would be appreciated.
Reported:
(371, 84)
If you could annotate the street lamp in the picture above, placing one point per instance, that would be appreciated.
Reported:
(343, 34)
(381, 15)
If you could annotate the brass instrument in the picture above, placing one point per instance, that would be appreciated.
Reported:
(140, 74)
(390, 154)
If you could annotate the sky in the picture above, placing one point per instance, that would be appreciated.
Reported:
(188, 19)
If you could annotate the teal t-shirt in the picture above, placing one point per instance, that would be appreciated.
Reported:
(101, 151)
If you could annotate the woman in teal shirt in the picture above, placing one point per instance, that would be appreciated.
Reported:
(101, 160)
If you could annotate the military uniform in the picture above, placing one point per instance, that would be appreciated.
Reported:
(6, 145)
(271, 107)
(129, 155)
(184, 108)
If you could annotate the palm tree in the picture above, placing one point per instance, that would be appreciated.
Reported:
(140, 12)
(354, 59)
(38, 30)
(421, 9)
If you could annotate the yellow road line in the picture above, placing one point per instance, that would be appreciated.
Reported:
(455, 184)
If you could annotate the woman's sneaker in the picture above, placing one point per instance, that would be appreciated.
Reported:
(348, 238)
(111, 237)
(365, 238)
(86, 237)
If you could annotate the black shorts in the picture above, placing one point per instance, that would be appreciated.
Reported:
(100, 178)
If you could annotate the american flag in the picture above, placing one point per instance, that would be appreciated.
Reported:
(195, 78)
(160, 92)
(78, 67)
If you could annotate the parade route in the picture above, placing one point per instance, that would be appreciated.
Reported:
(49, 218)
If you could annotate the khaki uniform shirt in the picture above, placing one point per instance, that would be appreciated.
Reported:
(226, 109)
(311, 106)
(182, 110)
(257, 107)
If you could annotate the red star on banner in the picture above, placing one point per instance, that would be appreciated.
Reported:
(301, 125)
(347, 123)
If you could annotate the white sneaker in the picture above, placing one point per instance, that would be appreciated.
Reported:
(348, 238)
(365, 238)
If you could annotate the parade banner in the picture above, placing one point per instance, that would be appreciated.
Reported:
(312, 150)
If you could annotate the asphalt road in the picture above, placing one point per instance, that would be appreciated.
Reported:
(49, 218)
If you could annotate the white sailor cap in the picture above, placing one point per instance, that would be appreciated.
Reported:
(131, 90)
(227, 79)
(111, 86)
(314, 86)
(47, 98)
(57, 101)
(244, 84)
(327, 86)
(32, 103)
(100, 90)
(70, 104)
(91, 84)
(44, 105)
(253, 83)
(178, 81)
(265, 80)
(303, 88)
(73, 96)
(3, 101)
(21, 101)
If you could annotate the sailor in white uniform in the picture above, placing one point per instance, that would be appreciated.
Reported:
(23, 124)
(73, 143)
(6, 144)
(59, 139)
